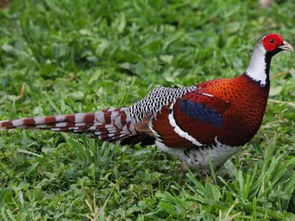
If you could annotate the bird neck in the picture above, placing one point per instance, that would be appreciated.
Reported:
(258, 69)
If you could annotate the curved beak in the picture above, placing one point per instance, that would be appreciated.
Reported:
(286, 46)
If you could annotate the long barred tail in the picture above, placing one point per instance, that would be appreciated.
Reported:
(110, 124)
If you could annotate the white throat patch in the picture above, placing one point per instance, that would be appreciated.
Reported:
(257, 66)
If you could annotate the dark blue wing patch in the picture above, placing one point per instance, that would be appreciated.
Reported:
(200, 112)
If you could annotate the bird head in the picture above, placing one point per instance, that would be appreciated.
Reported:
(275, 43)
(267, 46)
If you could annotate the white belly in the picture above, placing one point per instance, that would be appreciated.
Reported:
(199, 157)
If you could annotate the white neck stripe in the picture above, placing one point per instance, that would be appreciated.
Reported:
(257, 67)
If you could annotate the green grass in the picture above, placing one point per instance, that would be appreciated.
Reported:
(83, 55)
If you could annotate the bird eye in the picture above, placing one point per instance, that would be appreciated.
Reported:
(271, 41)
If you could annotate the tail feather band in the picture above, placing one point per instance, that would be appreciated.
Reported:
(110, 124)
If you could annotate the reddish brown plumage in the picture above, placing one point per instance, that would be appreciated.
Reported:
(244, 116)
(208, 121)
(240, 101)
(162, 126)
(202, 131)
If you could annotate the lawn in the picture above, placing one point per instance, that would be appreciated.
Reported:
(65, 56)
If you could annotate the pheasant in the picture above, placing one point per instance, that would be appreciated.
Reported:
(202, 124)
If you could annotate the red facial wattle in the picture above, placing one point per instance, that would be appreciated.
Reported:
(272, 41)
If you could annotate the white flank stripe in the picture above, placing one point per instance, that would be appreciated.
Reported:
(39, 120)
(179, 131)
(18, 122)
(150, 125)
(79, 117)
